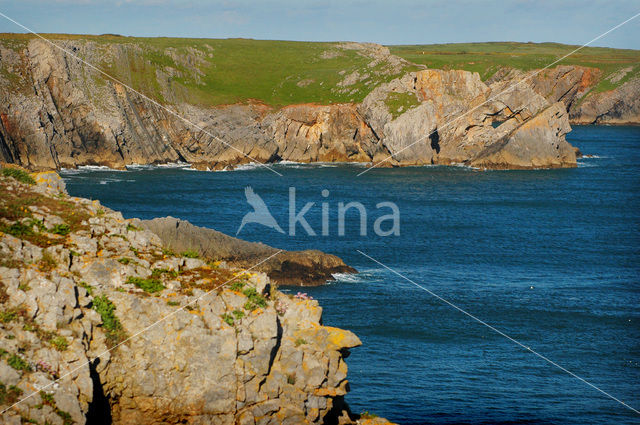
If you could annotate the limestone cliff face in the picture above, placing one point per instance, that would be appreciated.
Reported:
(209, 344)
(64, 118)
(312, 133)
(573, 85)
(453, 123)
(58, 114)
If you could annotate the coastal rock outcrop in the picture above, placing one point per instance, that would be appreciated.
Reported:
(575, 87)
(451, 116)
(618, 106)
(317, 133)
(99, 323)
(300, 268)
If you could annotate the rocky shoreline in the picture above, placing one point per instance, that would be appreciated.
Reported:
(102, 323)
(53, 116)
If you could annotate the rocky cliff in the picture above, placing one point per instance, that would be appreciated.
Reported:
(99, 323)
(577, 87)
(298, 268)
(57, 113)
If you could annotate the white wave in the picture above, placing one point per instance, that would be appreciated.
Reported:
(592, 157)
(285, 162)
(136, 167)
(348, 277)
(98, 168)
(175, 165)
(249, 166)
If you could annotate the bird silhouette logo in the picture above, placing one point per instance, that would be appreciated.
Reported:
(260, 213)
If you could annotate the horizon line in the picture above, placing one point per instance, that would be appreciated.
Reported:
(312, 41)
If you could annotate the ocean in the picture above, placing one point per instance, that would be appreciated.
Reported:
(550, 258)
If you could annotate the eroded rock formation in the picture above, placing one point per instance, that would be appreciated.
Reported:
(99, 323)
(299, 268)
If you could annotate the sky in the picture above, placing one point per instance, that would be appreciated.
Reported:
(385, 22)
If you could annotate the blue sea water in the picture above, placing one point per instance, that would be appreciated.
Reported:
(549, 257)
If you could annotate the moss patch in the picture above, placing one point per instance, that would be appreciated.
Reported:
(398, 103)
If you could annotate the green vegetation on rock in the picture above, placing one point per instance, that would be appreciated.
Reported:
(110, 322)
(18, 363)
(18, 174)
(150, 285)
(9, 395)
(255, 299)
(190, 253)
(397, 103)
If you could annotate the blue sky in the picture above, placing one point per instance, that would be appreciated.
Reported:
(386, 22)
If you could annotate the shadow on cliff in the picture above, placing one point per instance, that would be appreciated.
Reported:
(99, 409)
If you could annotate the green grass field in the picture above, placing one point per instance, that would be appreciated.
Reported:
(487, 58)
(278, 73)
(226, 71)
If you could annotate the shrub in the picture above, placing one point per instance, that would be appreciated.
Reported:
(61, 229)
(237, 286)
(18, 363)
(60, 343)
(7, 316)
(173, 303)
(228, 319)
(47, 399)
(190, 253)
(38, 223)
(238, 314)
(110, 322)
(124, 260)
(149, 286)
(255, 300)
(300, 341)
(19, 230)
(20, 175)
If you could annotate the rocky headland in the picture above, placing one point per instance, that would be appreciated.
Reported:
(298, 268)
(100, 322)
(55, 112)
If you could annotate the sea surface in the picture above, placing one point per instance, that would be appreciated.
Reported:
(550, 258)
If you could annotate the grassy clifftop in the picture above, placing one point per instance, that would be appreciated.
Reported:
(487, 58)
(225, 71)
